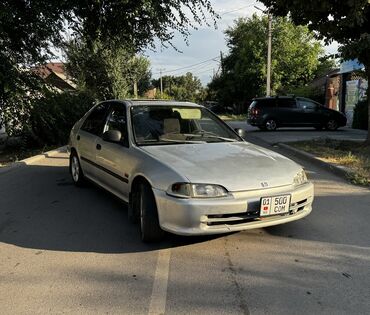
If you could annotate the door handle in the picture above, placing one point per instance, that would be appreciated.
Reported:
(78, 137)
(98, 146)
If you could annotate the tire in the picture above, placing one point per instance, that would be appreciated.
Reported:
(133, 211)
(76, 170)
(270, 124)
(332, 125)
(149, 223)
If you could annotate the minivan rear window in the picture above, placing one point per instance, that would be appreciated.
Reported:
(265, 102)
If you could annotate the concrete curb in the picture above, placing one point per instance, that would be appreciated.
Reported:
(32, 159)
(341, 171)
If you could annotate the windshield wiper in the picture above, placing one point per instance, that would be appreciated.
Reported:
(181, 141)
(209, 134)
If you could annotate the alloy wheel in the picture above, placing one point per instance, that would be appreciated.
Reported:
(271, 124)
(75, 169)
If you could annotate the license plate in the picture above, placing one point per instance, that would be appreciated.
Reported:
(274, 205)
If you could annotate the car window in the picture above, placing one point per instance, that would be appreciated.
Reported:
(306, 104)
(286, 103)
(266, 103)
(170, 124)
(117, 120)
(94, 123)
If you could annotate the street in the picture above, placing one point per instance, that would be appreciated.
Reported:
(72, 250)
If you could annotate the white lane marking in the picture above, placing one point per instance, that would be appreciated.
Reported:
(159, 293)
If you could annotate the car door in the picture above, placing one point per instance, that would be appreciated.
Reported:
(86, 137)
(311, 114)
(113, 158)
(288, 113)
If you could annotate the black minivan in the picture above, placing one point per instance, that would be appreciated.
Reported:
(269, 113)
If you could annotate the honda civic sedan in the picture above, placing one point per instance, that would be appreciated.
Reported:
(183, 170)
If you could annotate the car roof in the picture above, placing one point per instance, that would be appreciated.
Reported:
(272, 98)
(149, 102)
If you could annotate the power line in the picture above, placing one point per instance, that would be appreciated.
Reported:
(204, 71)
(235, 10)
(190, 66)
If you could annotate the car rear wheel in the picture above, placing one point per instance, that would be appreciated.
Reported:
(76, 170)
(332, 125)
(149, 222)
(270, 124)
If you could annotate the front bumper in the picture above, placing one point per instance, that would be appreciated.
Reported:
(237, 212)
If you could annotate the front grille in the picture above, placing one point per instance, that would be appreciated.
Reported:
(232, 218)
(250, 216)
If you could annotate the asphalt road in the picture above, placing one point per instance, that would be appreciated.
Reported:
(72, 250)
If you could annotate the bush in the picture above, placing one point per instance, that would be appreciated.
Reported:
(313, 93)
(53, 116)
(360, 115)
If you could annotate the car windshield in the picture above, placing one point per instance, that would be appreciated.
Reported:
(172, 124)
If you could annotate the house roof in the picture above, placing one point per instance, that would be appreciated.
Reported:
(54, 73)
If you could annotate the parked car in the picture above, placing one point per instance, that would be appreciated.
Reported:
(219, 109)
(183, 170)
(269, 113)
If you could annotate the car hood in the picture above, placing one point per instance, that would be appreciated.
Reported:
(237, 166)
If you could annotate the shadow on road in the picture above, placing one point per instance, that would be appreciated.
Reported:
(44, 210)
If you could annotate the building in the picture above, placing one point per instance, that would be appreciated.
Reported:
(55, 75)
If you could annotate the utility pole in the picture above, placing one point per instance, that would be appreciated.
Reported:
(222, 62)
(269, 44)
(268, 81)
(135, 88)
(161, 83)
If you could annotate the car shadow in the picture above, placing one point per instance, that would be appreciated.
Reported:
(42, 209)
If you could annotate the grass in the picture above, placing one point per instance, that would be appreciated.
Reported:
(351, 154)
(231, 117)
(10, 155)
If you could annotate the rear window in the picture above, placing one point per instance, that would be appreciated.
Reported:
(264, 103)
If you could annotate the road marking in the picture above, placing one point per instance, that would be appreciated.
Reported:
(159, 293)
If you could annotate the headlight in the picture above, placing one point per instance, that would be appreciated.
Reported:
(186, 190)
(300, 178)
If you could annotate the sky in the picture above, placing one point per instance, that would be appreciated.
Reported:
(205, 44)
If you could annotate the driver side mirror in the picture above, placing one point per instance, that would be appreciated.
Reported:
(112, 136)
(241, 132)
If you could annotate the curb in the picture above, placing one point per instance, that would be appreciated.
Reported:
(32, 159)
(337, 170)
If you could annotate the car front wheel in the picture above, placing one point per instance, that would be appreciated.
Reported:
(332, 125)
(75, 169)
(149, 222)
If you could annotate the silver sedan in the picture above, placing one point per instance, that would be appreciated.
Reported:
(183, 170)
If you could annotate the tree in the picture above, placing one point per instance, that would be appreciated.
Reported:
(347, 22)
(182, 88)
(29, 29)
(106, 71)
(294, 59)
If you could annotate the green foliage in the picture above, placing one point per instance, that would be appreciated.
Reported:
(295, 55)
(347, 22)
(308, 91)
(106, 71)
(28, 30)
(182, 88)
(53, 116)
(360, 115)
(326, 64)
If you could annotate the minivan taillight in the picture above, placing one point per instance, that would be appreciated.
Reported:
(255, 111)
